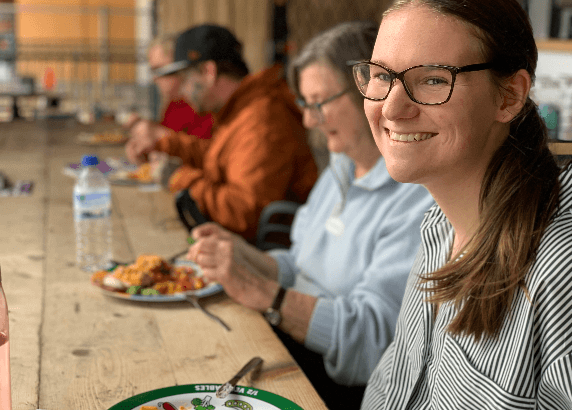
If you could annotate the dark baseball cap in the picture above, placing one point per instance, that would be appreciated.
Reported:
(203, 43)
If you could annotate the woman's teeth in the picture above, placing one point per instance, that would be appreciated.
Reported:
(410, 137)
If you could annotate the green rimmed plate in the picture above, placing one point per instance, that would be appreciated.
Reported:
(203, 397)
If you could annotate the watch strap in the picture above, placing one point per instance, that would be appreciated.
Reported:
(279, 298)
(272, 314)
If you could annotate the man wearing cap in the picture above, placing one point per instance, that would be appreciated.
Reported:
(258, 152)
(177, 114)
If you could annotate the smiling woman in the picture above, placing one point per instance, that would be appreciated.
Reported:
(495, 263)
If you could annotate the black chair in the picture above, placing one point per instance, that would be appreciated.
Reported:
(274, 225)
(189, 212)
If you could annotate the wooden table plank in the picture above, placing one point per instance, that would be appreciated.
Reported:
(22, 259)
(86, 342)
(151, 222)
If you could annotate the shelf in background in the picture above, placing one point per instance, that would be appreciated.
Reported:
(554, 45)
(560, 147)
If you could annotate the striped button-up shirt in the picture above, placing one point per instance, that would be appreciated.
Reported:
(529, 364)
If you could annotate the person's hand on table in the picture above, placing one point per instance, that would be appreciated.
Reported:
(218, 253)
(144, 135)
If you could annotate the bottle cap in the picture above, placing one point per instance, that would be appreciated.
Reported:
(89, 160)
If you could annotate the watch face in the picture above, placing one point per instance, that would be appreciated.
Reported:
(273, 317)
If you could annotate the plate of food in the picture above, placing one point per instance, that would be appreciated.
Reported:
(203, 397)
(152, 279)
(112, 137)
(143, 174)
(156, 171)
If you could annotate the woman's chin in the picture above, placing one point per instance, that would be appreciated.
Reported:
(335, 146)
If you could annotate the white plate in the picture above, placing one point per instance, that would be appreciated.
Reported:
(203, 396)
(208, 290)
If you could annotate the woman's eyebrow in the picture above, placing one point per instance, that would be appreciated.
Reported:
(377, 62)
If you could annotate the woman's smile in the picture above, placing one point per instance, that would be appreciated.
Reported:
(408, 136)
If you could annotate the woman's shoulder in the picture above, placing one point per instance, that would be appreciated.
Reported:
(553, 262)
(554, 255)
(565, 198)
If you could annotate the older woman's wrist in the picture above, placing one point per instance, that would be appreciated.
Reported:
(268, 292)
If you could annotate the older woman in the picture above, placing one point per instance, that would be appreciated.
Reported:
(354, 241)
(487, 313)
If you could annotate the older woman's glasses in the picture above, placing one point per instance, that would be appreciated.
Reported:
(424, 84)
(316, 108)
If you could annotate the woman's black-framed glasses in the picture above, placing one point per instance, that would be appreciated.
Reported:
(316, 108)
(430, 84)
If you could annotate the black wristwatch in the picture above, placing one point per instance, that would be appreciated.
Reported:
(272, 314)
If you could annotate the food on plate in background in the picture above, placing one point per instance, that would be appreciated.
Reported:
(101, 138)
(156, 171)
(142, 173)
(149, 275)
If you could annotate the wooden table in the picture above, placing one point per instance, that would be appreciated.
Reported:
(72, 347)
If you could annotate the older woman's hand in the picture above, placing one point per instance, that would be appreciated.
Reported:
(216, 253)
(207, 229)
(213, 229)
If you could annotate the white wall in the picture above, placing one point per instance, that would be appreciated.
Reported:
(539, 12)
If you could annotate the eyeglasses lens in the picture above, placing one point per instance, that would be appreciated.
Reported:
(425, 84)
(314, 109)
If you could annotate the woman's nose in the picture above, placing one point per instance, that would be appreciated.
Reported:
(311, 118)
(398, 105)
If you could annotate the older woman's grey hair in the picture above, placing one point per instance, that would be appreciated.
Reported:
(335, 47)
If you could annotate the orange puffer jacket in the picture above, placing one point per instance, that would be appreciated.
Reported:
(258, 153)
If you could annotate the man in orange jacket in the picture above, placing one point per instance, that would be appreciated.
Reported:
(258, 152)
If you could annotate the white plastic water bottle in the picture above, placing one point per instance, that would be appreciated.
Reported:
(92, 215)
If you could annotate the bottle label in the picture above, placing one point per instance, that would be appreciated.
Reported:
(93, 205)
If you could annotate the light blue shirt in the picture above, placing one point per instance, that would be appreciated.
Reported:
(353, 245)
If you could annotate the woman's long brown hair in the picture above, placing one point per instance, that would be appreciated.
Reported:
(520, 189)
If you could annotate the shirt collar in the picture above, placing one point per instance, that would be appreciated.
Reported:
(344, 169)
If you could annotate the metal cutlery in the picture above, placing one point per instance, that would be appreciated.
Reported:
(254, 364)
(170, 259)
(195, 302)
(176, 256)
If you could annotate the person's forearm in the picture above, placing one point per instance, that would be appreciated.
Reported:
(259, 291)
(296, 312)
(296, 309)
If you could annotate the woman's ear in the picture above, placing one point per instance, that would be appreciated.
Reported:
(514, 93)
